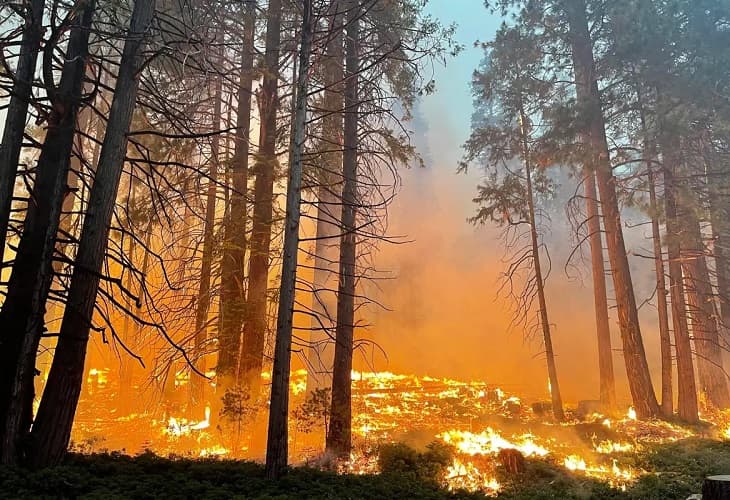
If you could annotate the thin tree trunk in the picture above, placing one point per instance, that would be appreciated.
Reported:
(607, 382)
(686, 387)
(329, 212)
(339, 437)
(233, 291)
(255, 328)
(665, 340)
(22, 315)
(718, 181)
(52, 427)
(12, 141)
(277, 444)
(637, 368)
(203, 300)
(557, 401)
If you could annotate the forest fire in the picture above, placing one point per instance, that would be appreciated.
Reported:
(478, 421)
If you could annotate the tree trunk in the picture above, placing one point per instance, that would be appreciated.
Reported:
(686, 387)
(255, 328)
(17, 110)
(718, 181)
(202, 303)
(544, 322)
(22, 315)
(607, 383)
(589, 98)
(329, 212)
(713, 381)
(277, 445)
(233, 291)
(52, 427)
(339, 437)
(665, 340)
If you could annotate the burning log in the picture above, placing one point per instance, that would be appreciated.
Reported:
(512, 460)
(716, 488)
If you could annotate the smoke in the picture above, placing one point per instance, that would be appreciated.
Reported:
(445, 317)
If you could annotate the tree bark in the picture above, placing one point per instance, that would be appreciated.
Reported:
(255, 328)
(339, 437)
(17, 111)
(686, 388)
(589, 99)
(607, 383)
(329, 213)
(277, 444)
(713, 381)
(52, 427)
(233, 291)
(23, 311)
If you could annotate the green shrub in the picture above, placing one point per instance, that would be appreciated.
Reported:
(428, 466)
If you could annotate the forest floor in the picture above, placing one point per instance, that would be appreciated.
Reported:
(671, 471)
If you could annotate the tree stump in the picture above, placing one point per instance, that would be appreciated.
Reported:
(716, 488)
(512, 460)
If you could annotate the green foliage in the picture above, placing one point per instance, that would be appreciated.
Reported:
(148, 476)
(427, 466)
(314, 411)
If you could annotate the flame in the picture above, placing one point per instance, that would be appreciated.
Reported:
(631, 415)
(490, 442)
(386, 406)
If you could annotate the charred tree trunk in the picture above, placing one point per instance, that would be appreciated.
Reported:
(329, 212)
(556, 399)
(17, 110)
(607, 384)
(339, 437)
(52, 427)
(686, 387)
(277, 444)
(22, 315)
(265, 170)
(637, 368)
(233, 291)
(202, 303)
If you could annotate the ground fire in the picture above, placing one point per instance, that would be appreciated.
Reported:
(477, 419)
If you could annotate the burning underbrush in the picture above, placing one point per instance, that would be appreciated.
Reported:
(488, 434)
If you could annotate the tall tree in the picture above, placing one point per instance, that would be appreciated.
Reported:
(686, 388)
(339, 437)
(607, 382)
(233, 291)
(265, 168)
(203, 299)
(277, 444)
(329, 211)
(17, 110)
(24, 308)
(52, 427)
(589, 102)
